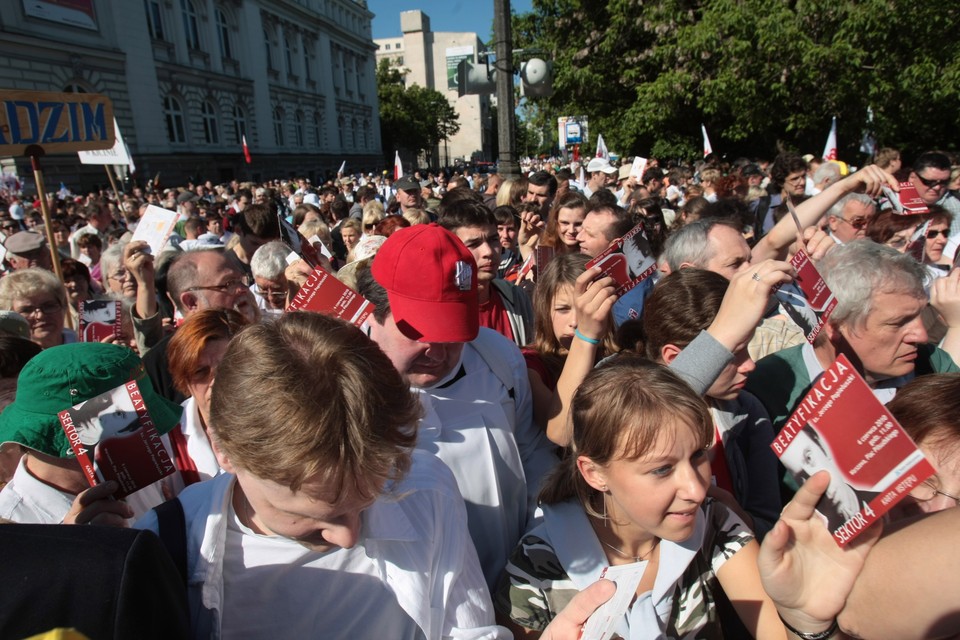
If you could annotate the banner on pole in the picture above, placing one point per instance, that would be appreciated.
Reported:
(57, 122)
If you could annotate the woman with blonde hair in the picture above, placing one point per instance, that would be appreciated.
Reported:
(40, 297)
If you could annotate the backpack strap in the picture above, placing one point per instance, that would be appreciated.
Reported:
(172, 528)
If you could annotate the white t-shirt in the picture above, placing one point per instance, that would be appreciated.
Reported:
(305, 600)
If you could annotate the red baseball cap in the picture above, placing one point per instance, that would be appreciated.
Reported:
(431, 283)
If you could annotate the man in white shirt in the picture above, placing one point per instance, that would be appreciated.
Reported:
(472, 382)
(326, 523)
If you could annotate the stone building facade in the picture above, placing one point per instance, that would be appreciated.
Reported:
(188, 78)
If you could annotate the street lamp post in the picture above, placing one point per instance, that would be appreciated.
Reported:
(506, 136)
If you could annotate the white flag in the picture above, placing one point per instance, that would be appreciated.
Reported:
(602, 149)
(707, 148)
(343, 167)
(830, 149)
(397, 167)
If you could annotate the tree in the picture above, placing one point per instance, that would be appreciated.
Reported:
(761, 75)
(416, 119)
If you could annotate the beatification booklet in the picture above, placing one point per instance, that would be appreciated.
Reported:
(114, 438)
(840, 426)
(100, 319)
(808, 300)
(323, 293)
(628, 260)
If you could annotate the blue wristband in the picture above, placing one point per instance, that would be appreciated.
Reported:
(592, 341)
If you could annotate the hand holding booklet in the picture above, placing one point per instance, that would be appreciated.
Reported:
(841, 427)
(627, 260)
(114, 438)
(323, 293)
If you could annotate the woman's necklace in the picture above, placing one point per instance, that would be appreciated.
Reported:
(630, 557)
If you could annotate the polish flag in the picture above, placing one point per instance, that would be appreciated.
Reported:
(397, 167)
(707, 148)
(246, 149)
(830, 149)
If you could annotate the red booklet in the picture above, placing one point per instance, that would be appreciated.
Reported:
(323, 293)
(100, 319)
(114, 438)
(808, 300)
(840, 426)
(907, 201)
(627, 260)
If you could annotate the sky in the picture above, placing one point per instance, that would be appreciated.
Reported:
(445, 15)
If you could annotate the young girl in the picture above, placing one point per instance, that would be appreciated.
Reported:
(635, 492)
(555, 329)
(564, 222)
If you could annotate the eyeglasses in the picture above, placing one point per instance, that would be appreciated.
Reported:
(119, 276)
(229, 285)
(9, 226)
(47, 308)
(369, 226)
(275, 294)
(933, 184)
(857, 223)
(930, 490)
(933, 233)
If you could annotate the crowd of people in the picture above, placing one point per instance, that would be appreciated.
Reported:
(504, 427)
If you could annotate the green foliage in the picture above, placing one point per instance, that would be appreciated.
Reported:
(414, 118)
(761, 74)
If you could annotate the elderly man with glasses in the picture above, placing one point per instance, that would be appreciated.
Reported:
(850, 216)
(197, 280)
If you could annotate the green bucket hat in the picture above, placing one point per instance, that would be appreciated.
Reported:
(60, 377)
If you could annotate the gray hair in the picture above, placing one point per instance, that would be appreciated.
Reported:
(858, 270)
(270, 260)
(836, 211)
(109, 259)
(828, 173)
(29, 282)
(691, 243)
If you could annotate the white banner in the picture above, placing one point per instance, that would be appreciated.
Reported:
(116, 155)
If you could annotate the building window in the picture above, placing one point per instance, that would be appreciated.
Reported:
(298, 121)
(306, 62)
(173, 116)
(211, 128)
(223, 35)
(268, 52)
(317, 123)
(353, 133)
(239, 123)
(191, 28)
(387, 46)
(278, 126)
(288, 53)
(155, 19)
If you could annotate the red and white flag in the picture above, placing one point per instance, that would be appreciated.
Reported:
(246, 149)
(830, 149)
(707, 147)
(602, 148)
(397, 167)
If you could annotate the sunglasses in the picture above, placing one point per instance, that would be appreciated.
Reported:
(933, 233)
(857, 223)
(933, 184)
